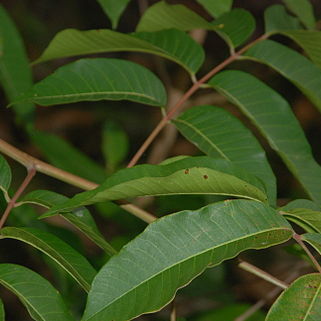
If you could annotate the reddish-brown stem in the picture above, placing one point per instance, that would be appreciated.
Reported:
(298, 238)
(24, 184)
(175, 109)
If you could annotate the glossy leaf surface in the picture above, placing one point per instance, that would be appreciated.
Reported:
(68, 258)
(301, 301)
(62, 154)
(5, 177)
(304, 10)
(114, 9)
(220, 135)
(272, 115)
(15, 74)
(235, 27)
(42, 300)
(216, 7)
(290, 64)
(172, 251)
(171, 44)
(191, 175)
(98, 79)
(80, 217)
(162, 16)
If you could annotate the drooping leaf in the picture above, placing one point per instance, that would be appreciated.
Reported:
(272, 115)
(5, 177)
(314, 239)
(15, 74)
(277, 19)
(114, 9)
(62, 154)
(2, 314)
(235, 27)
(304, 10)
(301, 301)
(218, 134)
(290, 64)
(171, 44)
(174, 250)
(216, 7)
(114, 144)
(42, 300)
(80, 217)
(162, 16)
(192, 175)
(68, 258)
(98, 79)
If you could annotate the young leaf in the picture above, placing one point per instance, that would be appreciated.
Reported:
(114, 9)
(235, 27)
(191, 175)
(277, 19)
(63, 155)
(68, 258)
(301, 301)
(272, 115)
(2, 315)
(98, 79)
(162, 16)
(219, 134)
(114, 144)
(171, 44)
(304, 10)
(5, 177)
(314, 239)
(174, 250)
(216, 7)
(42, 300)
(15, 74)
(290, 64)
(80, 217)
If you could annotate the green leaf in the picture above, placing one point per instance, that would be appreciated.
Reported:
(98, 79)
(301, 301)
(310, 41)
(216, 7)
(272, 115)
(219, 134)
(15, 73)
(235, 27)
(314, 239)
(114, 9)
(63, 155)
(162, 16)
(304, 10)
(42, 300)
(115, 145)
(174, 250)
(277, 19)
(301, 203)
(68, 258)
(192, 175)
(290, 64)
(5, 177)
(171, 44)
(80, 217)
(2, 314)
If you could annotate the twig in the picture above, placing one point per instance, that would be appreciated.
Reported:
(42, 167)
(22, 187)
(176, 108)
(263, 274)
(173, 311)
(298, 238)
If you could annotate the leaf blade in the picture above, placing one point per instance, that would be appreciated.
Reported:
(216, 7)
(314, 239)
(5, 177)
(2, 313)
(199, 243)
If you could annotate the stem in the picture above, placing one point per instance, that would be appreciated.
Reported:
(22, 187)
(263, 274)
(298, 238)
(42, 167)
(175, 109)
(173, 312)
